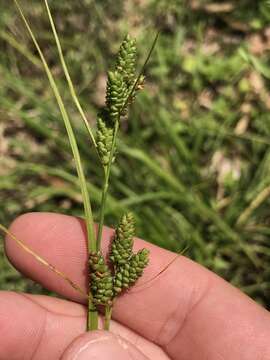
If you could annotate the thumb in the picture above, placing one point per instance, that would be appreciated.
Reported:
(102, 345)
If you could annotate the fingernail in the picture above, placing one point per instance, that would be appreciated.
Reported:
(101, 345)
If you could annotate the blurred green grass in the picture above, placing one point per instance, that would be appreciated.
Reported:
(193, 159)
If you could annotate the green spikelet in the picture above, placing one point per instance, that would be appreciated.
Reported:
(104, 141)
(121, 248)
(116, 95)
(128, 273)
(126, 59)
(101, 285)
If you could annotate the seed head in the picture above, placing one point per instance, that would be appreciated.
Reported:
(101, 285)
(126, 59)
(128, 273)
(104, 141)
(116, 95)
(122, 244)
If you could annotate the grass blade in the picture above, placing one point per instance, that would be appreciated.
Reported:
(73, 143)
(67, 75)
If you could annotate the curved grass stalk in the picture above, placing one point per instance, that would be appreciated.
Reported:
(92, 322)
(255, 203)
(67, 75)
(20, 48)
(44, 262)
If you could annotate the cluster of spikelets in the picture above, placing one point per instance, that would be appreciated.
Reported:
(104, 141)
(122, 87)
(126, 266)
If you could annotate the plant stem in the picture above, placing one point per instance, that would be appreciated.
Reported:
(67, 75)
(105, 187)
(255, 203)
(92, 316)
(108, 316)
(92, 313)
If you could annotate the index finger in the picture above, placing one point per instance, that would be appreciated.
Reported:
(189, 311)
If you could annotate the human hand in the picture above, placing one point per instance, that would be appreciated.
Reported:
(186, 313)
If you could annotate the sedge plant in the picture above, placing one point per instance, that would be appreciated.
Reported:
(108, 278)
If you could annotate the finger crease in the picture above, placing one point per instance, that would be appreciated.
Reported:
(176, 317)
(41, 335)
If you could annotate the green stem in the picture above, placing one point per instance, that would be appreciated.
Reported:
(108, 316)
(92, 321)
(93, 315)
(71, 136)
(68, 78)
(105, 187)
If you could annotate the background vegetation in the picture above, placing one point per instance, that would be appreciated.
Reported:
(194, 156)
